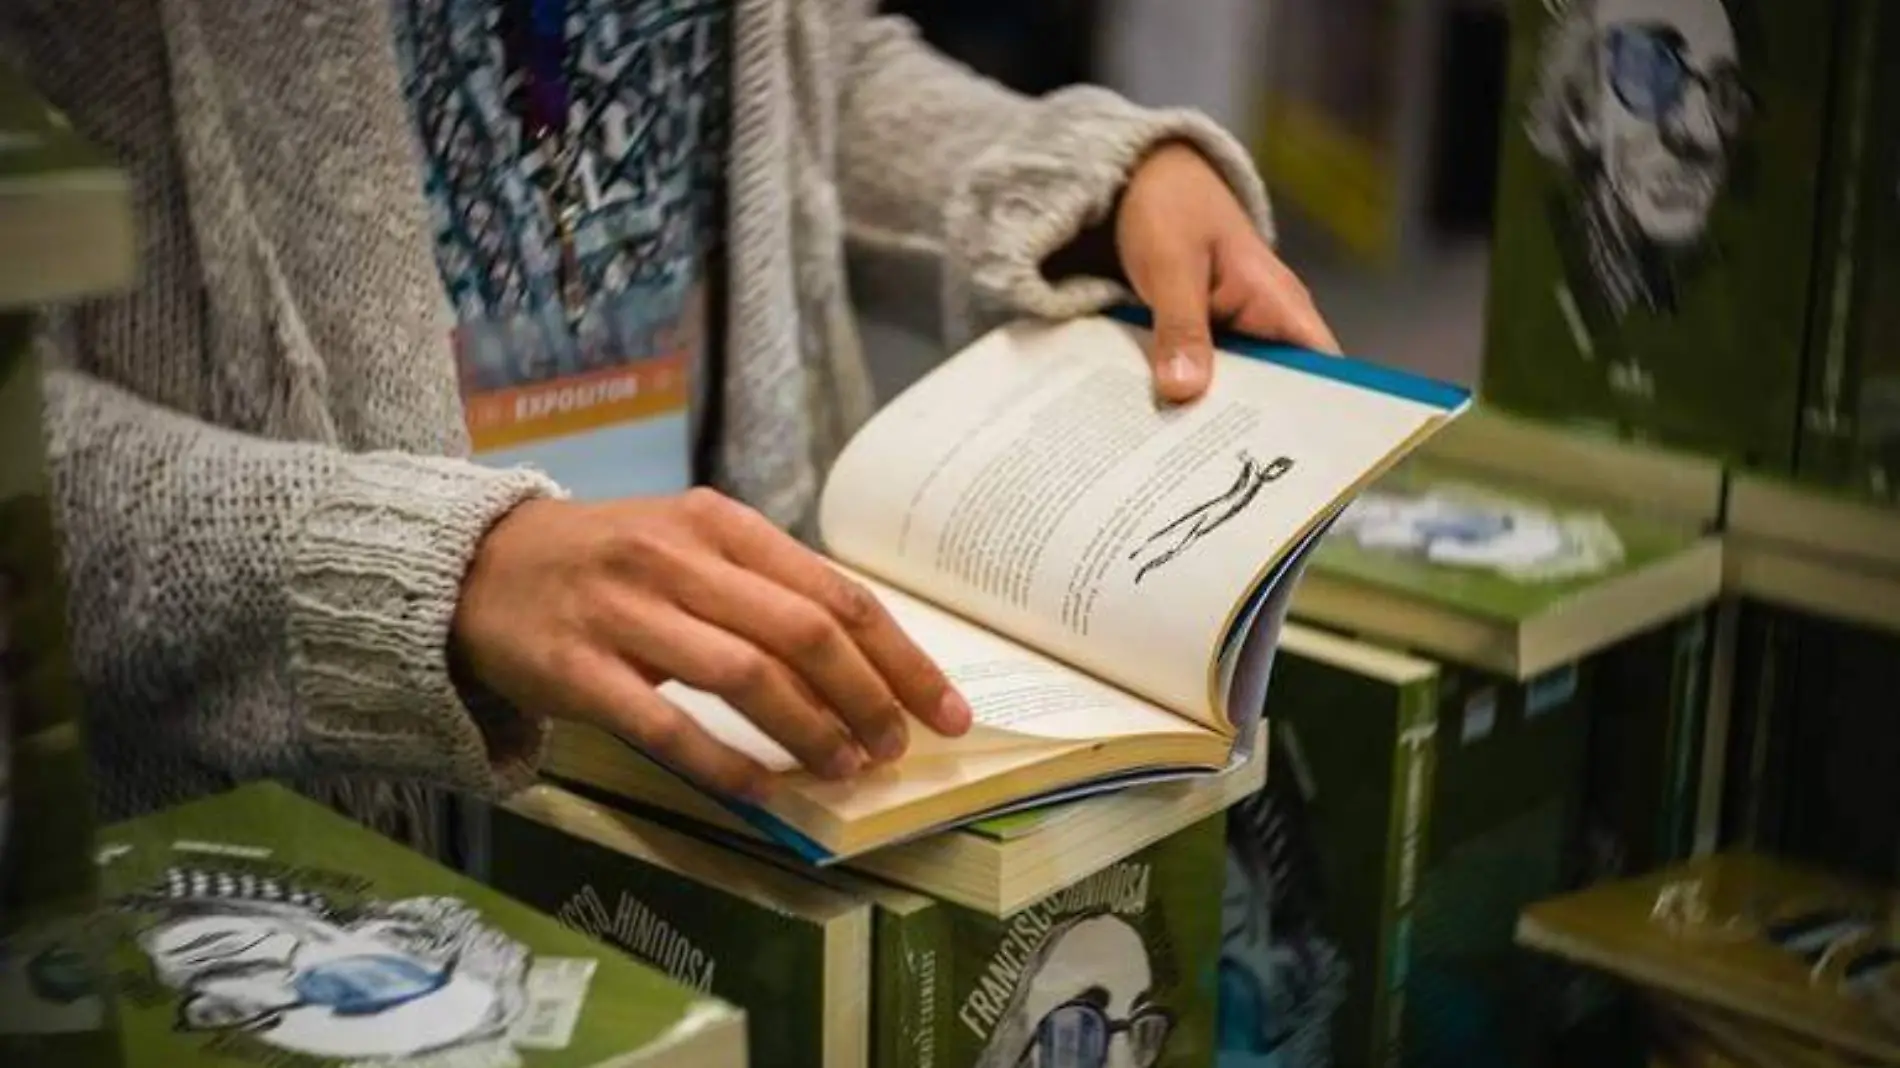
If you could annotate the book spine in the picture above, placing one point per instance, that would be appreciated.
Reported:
(1688, 705)
(1414, 766)
(911, 991)
(1826, 426)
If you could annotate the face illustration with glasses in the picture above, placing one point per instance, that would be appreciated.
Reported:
(1642, 100)
(394, 980)
(1084, 1002)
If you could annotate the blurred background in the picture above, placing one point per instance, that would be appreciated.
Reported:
(1376, 122)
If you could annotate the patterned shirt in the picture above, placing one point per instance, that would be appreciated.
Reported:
(573, 155)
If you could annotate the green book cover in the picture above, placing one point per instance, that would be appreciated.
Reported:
(1508, 796)
(1323, 864)
(792, 953)
(1489, 570)
(910, 973)
(1118, 969)
(65, 210)
(1649, 698)
(1488, 546)
(1850, 431)
(1659, 174)
(260, 928)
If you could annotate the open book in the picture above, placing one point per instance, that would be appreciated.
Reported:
(1102, 576)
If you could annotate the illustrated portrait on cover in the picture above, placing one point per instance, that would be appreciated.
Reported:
(1282, 980)
(382, 980)
(1643, 103)
(1084, 1001)
(1452, 526)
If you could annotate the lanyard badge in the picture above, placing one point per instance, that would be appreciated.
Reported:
(535, 37)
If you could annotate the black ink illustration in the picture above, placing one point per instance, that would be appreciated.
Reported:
(1179, 535)
(1085, 999)
(378, 980)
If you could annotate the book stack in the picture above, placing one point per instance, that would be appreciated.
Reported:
(1528, 657)
(1105, 580)
(1742, 959)
(839, 969)
(65, 234)
(1703, 301)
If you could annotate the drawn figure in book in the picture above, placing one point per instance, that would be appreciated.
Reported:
(1642, 103)
(1180, 534)
(383, 980)
(1281, 978)
(1520, 541)
(1083, 1002)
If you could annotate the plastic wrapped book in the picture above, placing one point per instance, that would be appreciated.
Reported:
(259, 927)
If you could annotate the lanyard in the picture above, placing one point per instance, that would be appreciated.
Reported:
(537, 41)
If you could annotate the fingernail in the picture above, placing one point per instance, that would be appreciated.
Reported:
(891, 744)
(955, 714)
(847, 763)
(1179, 370)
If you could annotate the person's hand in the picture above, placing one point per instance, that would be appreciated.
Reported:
(1195, 258)
(578, 611)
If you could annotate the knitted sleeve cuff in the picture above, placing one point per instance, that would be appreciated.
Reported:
(1058, 174)
(374, 581)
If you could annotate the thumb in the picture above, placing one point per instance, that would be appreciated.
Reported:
(1182, 355)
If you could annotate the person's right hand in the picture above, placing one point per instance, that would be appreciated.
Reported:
(578, 611)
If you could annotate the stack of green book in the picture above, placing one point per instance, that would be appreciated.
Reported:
(836, 968)
(65, 233)
(1565, 638)
(1413, 808)
(997, 865)
(259, 927)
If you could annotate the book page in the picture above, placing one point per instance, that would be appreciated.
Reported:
(1021, 699)
(1034, 484)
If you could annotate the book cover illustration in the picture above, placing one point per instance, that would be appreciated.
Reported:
(1671, 149)
(259, 928)
(1324, 862)
(1115, 972)
(1283, 976)
(1769, 940)
(716, 922)
(1487, 546)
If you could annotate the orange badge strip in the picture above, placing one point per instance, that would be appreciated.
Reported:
(507, 418)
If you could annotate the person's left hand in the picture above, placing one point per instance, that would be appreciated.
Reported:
(1192, 254)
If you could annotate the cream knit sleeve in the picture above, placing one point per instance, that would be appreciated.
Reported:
(255, 608)
(935, 159)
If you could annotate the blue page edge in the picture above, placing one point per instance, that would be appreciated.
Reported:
(1347, 369)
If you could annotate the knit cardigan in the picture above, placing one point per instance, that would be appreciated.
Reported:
(258, 453)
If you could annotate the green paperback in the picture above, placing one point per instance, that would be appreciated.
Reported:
(791, 953)
(259, 928)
